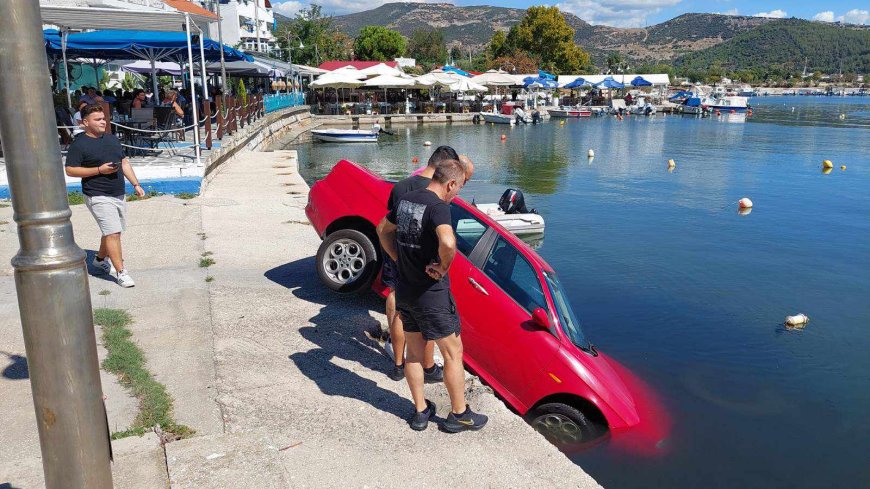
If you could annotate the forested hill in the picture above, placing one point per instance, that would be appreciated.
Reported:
(786, 44)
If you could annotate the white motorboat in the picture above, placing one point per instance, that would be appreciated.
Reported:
(496, 118)
(642, 106)
(346, 135)
(747, 91)
(726, 103)
(519, 224)
(566, 111)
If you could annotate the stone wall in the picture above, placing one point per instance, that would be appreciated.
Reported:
(256, 136)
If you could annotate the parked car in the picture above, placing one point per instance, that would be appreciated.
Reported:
(519, 332)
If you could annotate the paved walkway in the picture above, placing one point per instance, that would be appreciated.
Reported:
(274, 371)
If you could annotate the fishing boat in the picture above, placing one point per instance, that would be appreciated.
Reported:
(496, 118)
(565, 111)
(521, 224)
(346, 135)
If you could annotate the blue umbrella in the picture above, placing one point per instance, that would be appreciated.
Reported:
(545, 75)
(148, 45)
(609, 82)
(639, 81)
(539, 82)
(453, 69)
(577, 83)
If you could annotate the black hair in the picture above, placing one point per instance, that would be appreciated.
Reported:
(446, 170)
(442, 153)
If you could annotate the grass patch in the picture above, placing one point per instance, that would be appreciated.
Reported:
(126, 360)
(151, 193)
(209, 279)
(206, 261)
(186, 195)
(75, 198)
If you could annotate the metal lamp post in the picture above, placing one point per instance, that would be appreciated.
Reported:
(50, 276)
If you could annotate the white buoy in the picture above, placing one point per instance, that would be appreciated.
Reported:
(591, 154)
(672, 164)
(797, 320)
(427, 143)
(744, 203)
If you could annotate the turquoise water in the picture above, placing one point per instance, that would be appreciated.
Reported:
(164, 186)
(670, 280)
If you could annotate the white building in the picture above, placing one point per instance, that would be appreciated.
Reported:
(244, 23)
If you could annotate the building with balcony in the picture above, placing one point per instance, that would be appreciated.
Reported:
(246, 24)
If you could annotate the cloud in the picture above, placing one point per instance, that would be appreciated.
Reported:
(856, 16)
(733, 11)
(773, 14)
(826, 16)
(853, 16)
(288, 8)
(340, 7)
(617, 13)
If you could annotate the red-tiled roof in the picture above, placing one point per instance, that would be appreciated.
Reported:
(360, 65)
(189, 7)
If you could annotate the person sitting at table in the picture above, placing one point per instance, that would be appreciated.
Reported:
(90, 95)
(170, 99)
(109, 97)
(77, 120)
(138, 99)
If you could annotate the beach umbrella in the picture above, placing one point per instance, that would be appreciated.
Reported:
(453, 69)
(495, 78)
(466, 85)
(640, 81)
(577, 83)
(337, 80)
(545, 75)
(609, 82)
(381, 69)
(538, 82)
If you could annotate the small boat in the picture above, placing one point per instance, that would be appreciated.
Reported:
(726, 102)
(346, 135)
(512, 214)
(496, 118)
(519, 224)
(642, 106)
(565, 111)
(747, 91)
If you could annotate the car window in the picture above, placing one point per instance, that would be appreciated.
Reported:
(510, 270)
(468, 229)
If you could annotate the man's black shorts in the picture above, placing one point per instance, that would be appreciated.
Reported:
(437, 319)
(390, 272)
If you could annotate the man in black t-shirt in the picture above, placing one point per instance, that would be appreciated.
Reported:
(433, 373)
(95, 157)
(417, 233)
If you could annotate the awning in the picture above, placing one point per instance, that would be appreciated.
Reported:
(149, 45)
(112, 18)
(640, 81)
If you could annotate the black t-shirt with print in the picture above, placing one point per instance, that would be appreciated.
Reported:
(402, 187)
(416, 216)
(89, 152)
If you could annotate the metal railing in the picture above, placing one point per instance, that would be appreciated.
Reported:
(283, 101)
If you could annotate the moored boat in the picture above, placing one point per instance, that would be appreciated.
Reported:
(346, 135)
(565, 111)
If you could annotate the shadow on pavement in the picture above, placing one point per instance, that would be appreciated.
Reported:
(339, 332)
(17, 370)
(94, 271)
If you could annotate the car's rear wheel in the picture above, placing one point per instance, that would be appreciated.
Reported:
(347, 261)
(564, 424)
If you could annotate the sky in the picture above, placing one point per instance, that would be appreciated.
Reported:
(635, 13)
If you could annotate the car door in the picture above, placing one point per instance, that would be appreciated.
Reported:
(470, 235)
(514, 351)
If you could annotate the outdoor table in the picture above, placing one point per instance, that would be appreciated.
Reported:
(384, 107)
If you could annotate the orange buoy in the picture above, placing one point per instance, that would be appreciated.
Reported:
(415, 160)
(744, 203)
(717, 112)
(503, 137)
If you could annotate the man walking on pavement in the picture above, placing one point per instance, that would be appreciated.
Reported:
(95, 157)
(418, 235)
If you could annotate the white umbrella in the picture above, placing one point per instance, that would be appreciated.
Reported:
(337, 80)
(495, 78)
(390, 81)
(381, 69)
(466, 85)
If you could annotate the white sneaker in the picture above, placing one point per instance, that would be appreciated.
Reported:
(125, 280)
(105, 265)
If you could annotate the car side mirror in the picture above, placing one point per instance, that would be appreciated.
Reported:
(540, 318)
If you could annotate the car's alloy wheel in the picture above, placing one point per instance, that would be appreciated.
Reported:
(562, 423)
(347, 261)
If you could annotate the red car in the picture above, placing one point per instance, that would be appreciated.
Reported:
(518, 330)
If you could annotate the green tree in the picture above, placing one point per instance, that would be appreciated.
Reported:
(377, 43)
(498, 45)
(320, 38)
(614, 62)
(427, 47)
(545, 35)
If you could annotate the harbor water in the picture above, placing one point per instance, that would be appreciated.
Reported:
(669, 279)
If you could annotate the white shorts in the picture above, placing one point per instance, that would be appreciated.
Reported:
(110, 213)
